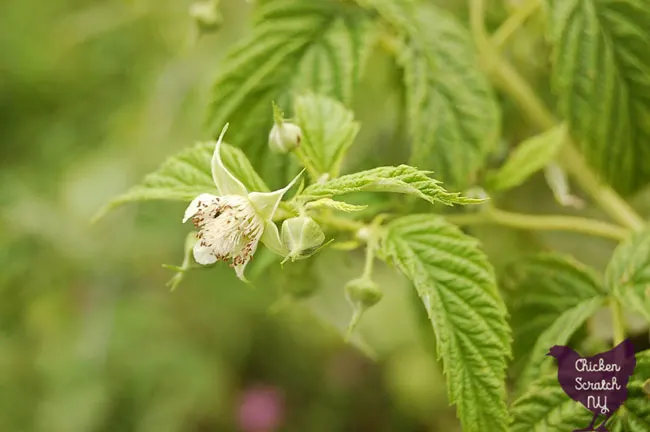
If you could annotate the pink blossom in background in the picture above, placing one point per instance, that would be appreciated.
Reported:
(261, 409)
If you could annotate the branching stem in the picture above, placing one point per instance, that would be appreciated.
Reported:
(512, 24)
(509, 80)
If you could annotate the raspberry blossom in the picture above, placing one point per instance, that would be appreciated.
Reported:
(230, 226)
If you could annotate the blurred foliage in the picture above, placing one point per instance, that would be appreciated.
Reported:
(93, 95)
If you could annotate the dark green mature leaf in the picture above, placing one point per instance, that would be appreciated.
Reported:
(321, 45)
(334, 65)
(458, 289)
(187, 174)
(628, 273)
(453, 113)
(532, 155)
(602, 78)
(328, 131)
(400, 179)
(553, 296)
(545, 407)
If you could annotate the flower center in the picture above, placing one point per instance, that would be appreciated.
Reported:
(229, 227)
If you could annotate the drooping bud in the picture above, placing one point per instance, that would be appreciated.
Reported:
(206, 15)
(362, 293)
(284, 136)
(302, 236)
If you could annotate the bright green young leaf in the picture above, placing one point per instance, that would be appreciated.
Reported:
(289, 39)
(328, 131)
(400, 179)
(458, 290)
(453, 113)
(553, 296)
(628, 273)
(187, 174)
(602, 78)
(529, 157)
(546, 407)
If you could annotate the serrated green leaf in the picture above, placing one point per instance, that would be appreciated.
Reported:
(453, 113)
(335, 64)
(458, 289)
(400, 179)
(187, 174)
(546, 407)
(529, 157)
(336, 205)
(328, 131)
(319, 45)
(602, 79)
(628, 273)
(552, 297)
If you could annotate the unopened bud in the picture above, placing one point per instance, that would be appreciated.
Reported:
(284, 137)
(301, 236)
(206, 15)
(362, 293)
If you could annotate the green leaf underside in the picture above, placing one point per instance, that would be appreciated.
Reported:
(628, 273)
(554, 296)
(187, 174)
(532, 155)
(328, 131)
(336, 205)
(602, 78)
(546, 407)
(457, 286)
(398, 179)
(318, 45)
(453, 113)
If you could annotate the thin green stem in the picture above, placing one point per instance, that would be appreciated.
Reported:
(509, 80)
(541, 223)
(304, 160)
(513, 23)
(370, 256)
(618, 321)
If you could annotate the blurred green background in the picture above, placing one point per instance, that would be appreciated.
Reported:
(93, 95)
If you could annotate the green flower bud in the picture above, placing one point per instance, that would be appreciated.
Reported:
(362, 293)
(284, 137)
(646, 387)
(301, 236)
(206, 15)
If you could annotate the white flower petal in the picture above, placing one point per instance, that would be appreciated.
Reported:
(266, 203)
(204, 254)
(193, 208)
(226, 183)
(239, 268)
